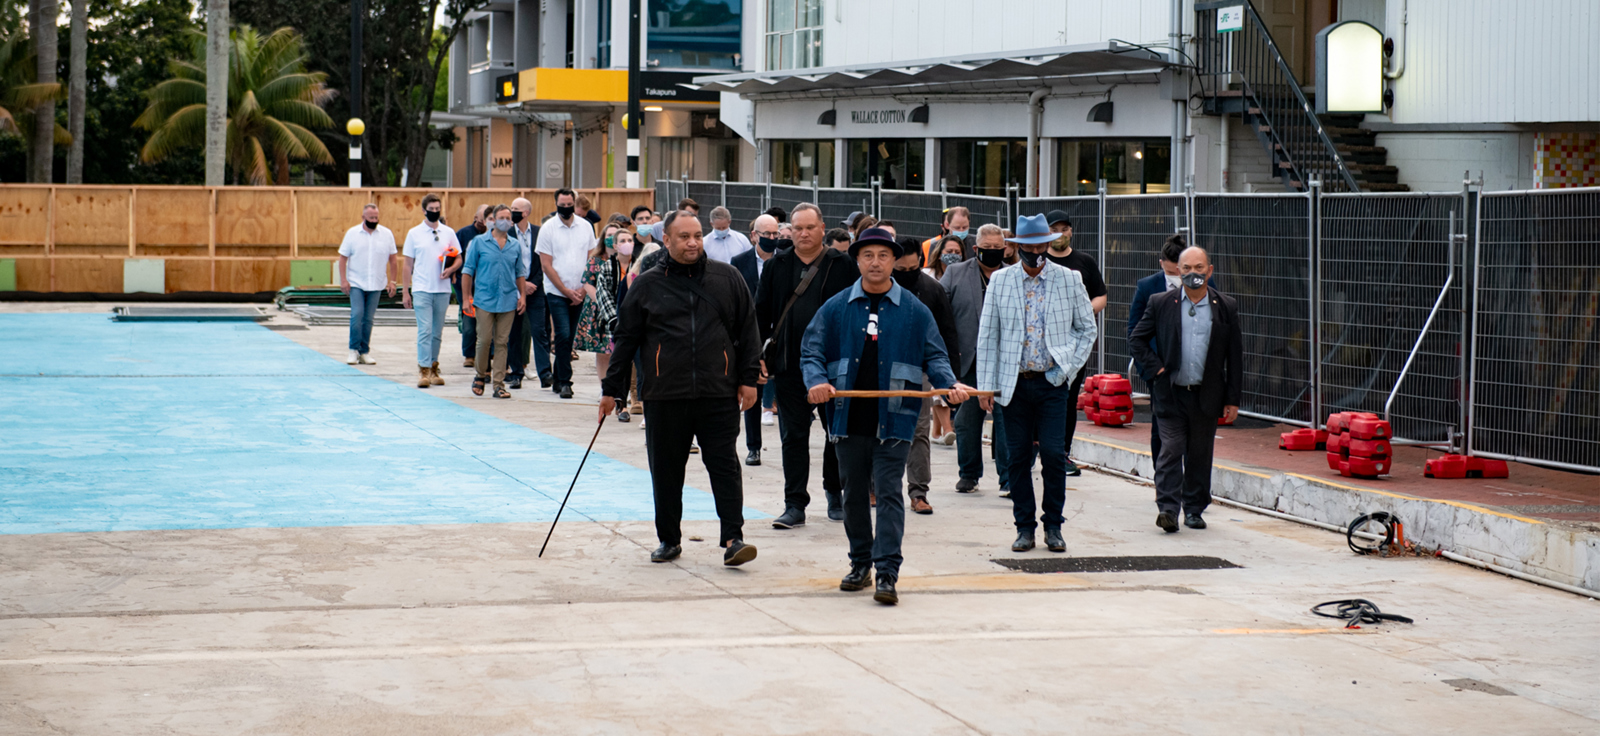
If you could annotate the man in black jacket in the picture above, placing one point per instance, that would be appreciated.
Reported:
(1195, 372)
(692, 321)
(834, 272)
(764, 235)
(908, 273)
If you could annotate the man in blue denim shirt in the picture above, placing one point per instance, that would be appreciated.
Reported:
(493, 275)
(874, 336)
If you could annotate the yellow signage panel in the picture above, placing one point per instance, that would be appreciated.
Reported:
(573, 85)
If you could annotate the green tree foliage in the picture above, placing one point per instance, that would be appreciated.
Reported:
(273, 103)
(19, 93)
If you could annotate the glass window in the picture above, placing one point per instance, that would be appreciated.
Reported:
(694, 34)
(984, 167)
(1128, 166)
(796, 162)
(897, 161)
(603, 40)
(794, 34)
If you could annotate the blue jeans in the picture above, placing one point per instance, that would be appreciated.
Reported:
(430, 309)
(363, 307)
(968, 424)
(563, 318)
(769, 395)
(867, 465)
(1038, 413)
(468, 327)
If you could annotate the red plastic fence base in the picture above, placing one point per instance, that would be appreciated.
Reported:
(1462, 466)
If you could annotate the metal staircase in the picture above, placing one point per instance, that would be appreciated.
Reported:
(1243, 72)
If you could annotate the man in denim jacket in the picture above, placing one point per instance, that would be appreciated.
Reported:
(874, 336)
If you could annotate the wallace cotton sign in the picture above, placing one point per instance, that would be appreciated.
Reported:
(873, 117)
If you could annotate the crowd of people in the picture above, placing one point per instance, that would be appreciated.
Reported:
(891, 342)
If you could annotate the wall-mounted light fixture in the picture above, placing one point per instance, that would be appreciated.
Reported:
(919, 114)
(828, 117)
(1100, 113)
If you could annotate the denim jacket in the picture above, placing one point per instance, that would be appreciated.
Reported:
(908, 346)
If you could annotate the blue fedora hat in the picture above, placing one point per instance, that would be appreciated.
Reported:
(1032, 229)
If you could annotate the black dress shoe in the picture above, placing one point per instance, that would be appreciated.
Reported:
(666, 552)
(1053, 540)
(1072, 468)
(790, 518)
(566, 391)
(753, 458)
(835, 506)
(514, 382)
(966, 485)
(1167, 521)
(885, 593)
(738, 553)
(859, 578)
(1193, 521)
(544, 382)
(1024, 542)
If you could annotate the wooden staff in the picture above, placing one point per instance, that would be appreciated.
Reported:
(907, 394)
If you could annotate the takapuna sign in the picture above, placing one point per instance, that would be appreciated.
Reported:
(877, 117)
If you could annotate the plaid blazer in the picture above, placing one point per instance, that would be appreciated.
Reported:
(1069, 328)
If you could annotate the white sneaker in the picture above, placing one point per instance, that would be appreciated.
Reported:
(641, 422)
(367, 359)
(768, 418)
(352, 358)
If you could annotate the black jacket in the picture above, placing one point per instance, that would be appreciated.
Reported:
(932, 295)
(746, 263)
(692, 348)
(1223, 382)
(778, 281)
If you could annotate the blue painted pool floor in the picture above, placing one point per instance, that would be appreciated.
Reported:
(133, 426)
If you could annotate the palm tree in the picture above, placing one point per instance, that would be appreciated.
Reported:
(273, 103)
(20, 95)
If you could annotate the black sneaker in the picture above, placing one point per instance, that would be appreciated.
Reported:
(753, 458)
(966, 485)
(566, 391)
(1072, 468)
(1005, 492)
(1167, 521)
(885, 593)
(1193, 521)
(790, 518)
(544, 382)
(666, 552)
(859, 578)
(514, 382)
(738, 553)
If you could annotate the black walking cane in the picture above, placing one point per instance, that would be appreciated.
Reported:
(569, 488)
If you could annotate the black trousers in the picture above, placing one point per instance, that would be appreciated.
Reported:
(794, 429)
(669, 428)
(1072, 406)
(752, 425)
(1188, 436)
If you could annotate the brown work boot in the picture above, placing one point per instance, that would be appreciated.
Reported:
(423, 379)
(920, 505)
(466, 363)
(433, 375)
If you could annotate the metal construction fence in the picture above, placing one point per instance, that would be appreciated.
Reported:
(1471, 320)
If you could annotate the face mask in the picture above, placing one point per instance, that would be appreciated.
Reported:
(516, 216)
(1029, 259)
(432, 216)
(962, 234)
(611, 241)
(1173, 282)
(565, 211)
(991, 257)
(625, 248)
(906, 279)
(767, 243)
(1061, 243)
(372, 224)
(950, 259)
(480, 226)
(502, 225)
(1194, 280)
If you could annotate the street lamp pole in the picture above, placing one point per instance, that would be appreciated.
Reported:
(355, 127)
(635, 118)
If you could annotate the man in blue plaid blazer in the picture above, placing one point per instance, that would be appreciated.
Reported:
(1034, 335)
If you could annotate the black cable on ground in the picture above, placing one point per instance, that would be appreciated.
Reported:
(1357, 611)
(1388, 520)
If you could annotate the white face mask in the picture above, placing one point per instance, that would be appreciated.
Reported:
(1173, 282)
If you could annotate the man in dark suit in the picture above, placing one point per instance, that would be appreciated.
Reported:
(764, 235)
(1191, 353)
(1160, 282)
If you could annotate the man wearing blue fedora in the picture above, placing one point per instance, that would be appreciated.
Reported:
(1034, 335)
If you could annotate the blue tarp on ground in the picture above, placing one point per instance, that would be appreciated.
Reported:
(118, 427)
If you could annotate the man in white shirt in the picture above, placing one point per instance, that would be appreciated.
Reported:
(563, 246)
(366, 267)
(723, 242)
(426, 285)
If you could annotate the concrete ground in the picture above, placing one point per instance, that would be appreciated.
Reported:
(420, 628)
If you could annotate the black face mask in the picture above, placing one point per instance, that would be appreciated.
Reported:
(432, 216)
(565, 210)
(1030, 259)
(907, 278)
(991, 257)
(516, 216)
(371, 224)
(481, 227)
(1194, 280)
(773, 245)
